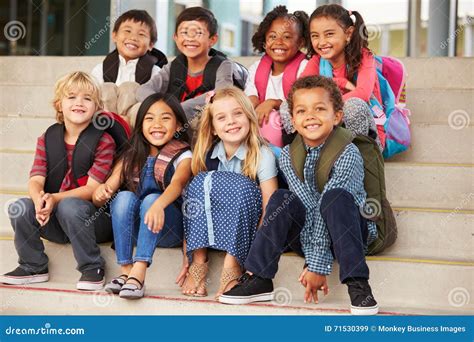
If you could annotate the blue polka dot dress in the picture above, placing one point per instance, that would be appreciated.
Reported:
(221, 211)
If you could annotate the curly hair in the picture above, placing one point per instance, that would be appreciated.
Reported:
(359, 39)
(300, 17)
(311, 82)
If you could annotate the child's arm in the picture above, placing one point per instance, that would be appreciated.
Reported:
(104, 192)
(184, 268)
(366, 76)
(36, 192)
(313, 282)
(156, 84)
(155, 216)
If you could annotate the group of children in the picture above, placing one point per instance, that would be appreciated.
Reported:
(198, 138)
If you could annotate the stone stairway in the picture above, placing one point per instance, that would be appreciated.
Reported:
(429, 270)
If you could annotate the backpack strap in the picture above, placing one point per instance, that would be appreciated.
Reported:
(210, 73)
(56, 158)
(298, 155)
(262, 76)
(160, 56)
(84, 153)
(212, 164)
(110, 66)
(291, 72)
(178, 75)
(331, 151)
(165, 159)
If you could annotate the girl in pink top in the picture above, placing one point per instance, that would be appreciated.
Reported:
(340, 37)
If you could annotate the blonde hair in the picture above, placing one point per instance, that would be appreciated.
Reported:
(75, 81)
(206, 138)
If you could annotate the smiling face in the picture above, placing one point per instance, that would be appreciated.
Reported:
(282, 40)
(193, 39)
(132, 39)
(159, 125)
(329, 39)
(313, 115)
(229, 121)
(77, 107)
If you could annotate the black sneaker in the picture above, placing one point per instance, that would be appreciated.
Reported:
(20, 276)
(91, 280)
(251, 288)
(362, 299)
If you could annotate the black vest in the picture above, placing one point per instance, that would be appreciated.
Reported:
(143, 70)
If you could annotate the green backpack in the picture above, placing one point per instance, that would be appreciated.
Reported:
(377, 207)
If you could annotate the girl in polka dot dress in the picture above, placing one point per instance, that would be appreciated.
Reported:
(235, 175)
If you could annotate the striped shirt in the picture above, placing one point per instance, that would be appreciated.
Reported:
(347, 174)
(99, 171)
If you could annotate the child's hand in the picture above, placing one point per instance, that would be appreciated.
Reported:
(155, 217)
(183, 273)
(263, 111)
(44, 213)
(313, 283)
(103, 193)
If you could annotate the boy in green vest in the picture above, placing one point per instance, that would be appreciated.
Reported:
(318, 225)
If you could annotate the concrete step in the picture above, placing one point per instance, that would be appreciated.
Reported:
(426, 105)
(431, 143)
(429, 185)
(422, 233)
(430, 72)
(408, 185)
(395, 284)
(452, 107)
(20, 133)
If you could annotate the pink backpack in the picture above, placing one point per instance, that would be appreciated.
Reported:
(272, 130)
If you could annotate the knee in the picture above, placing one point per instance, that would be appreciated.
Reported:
(122, 202)
(74, 207)
(335, 197)
(21, 209)
(147, 202)
(355, 104)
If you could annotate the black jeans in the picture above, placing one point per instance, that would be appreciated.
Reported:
(73, 220)
(284, 219)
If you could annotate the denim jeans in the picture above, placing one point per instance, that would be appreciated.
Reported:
(347, 230)
(128, 211)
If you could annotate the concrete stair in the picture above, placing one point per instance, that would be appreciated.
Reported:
(429, 270)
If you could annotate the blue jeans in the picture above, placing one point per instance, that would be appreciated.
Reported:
(128, 214)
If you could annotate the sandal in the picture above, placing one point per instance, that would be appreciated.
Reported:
(228, 275)
(197, 274)
(115, 285)
(132, 291)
